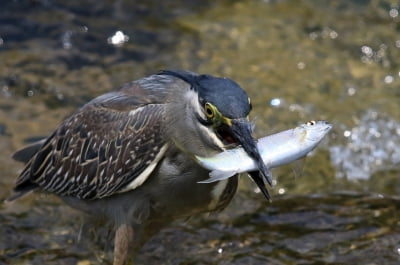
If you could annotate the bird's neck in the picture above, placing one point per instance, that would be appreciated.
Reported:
(185, 131)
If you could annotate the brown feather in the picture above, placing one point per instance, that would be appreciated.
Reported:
(101, 148)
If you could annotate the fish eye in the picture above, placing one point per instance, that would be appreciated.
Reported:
(209, 110)
(311, 123)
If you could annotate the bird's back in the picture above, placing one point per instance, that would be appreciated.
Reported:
(103, 147)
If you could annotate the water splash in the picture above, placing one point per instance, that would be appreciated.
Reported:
(371, 146)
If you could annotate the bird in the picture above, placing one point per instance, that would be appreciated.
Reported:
(128, 155)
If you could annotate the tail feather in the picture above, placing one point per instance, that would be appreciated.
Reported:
(18, 194)
(23, 185)
(26, 153)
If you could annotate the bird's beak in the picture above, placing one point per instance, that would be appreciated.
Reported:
(242, 132)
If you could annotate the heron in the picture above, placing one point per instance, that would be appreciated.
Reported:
(128, 155)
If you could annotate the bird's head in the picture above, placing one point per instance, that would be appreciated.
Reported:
(217, 111)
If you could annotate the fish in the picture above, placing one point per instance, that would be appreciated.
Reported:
(276, 150)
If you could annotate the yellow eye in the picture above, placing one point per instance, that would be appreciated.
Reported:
(311, 123)
(209, 110)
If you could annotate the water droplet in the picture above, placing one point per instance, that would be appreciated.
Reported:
(301, 65)
(374, 132)
(347, 133)
(333, 34)
(393, 12)
(388, 79)
(281, 191)
(276, 102)
(60, 96)
(296, 107)
(118, 39)
(313, 35)
(367, 51)
(351, 91)
(67, 40)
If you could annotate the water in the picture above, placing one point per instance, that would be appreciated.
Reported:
(372, 146)
(298, 60)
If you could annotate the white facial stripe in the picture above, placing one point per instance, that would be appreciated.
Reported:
(207, 131)
(194, 102)
(192, 97)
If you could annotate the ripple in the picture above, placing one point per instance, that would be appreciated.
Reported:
(371, 146)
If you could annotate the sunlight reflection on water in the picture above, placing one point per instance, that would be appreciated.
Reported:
(371, 146)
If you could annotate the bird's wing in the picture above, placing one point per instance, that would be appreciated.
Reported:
(104, 148)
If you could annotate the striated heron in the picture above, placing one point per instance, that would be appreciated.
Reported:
(128, 154)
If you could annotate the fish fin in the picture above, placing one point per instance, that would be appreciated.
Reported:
(298, 167)
(217, 175)
(260, 183)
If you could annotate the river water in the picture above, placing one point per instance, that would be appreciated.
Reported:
(298, 60)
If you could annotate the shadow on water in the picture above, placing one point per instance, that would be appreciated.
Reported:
(298, 60)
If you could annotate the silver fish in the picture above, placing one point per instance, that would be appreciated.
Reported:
(276, 150)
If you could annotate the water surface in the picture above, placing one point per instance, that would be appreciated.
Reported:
(298, 60)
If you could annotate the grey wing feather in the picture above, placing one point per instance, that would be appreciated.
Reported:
(96, 152)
